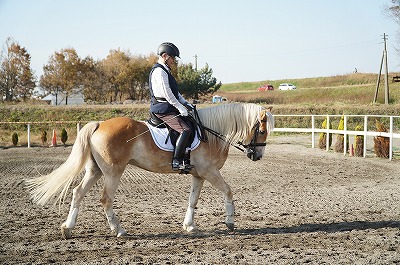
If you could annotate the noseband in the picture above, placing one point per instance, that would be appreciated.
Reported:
(251, 147)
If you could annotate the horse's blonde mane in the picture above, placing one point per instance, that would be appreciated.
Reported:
(235, 121)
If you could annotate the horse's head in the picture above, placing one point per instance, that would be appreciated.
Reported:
(242, 125)
(264, 125)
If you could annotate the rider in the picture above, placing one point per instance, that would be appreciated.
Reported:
(167, 103)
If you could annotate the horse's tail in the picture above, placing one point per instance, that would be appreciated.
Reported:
(44, 187)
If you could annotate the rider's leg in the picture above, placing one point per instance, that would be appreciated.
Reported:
(178, 124)
(179, 152)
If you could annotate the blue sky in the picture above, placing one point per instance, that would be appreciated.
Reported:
(250, 40)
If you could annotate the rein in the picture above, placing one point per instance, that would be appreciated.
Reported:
(252, 145)
(202, 136)
(222, 137)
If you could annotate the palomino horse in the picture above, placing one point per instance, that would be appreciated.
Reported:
(106, 148)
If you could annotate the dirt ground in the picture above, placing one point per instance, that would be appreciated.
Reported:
(297, 205)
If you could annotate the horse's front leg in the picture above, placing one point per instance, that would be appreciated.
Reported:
(188, 223)
(216, 180)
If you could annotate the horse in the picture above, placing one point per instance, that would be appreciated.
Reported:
(106, 148)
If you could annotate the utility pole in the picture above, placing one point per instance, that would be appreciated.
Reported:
(386, 71)
(195, 61)
(383, 62)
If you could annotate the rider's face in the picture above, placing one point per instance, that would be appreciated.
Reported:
(169, 60)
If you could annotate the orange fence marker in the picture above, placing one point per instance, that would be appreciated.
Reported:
(54, 139)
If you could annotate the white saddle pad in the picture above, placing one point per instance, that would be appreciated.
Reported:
(160, 134)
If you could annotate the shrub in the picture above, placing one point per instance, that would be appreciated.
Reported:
(64, 136)
(381, 143)
(14, 139)
(359, 143)
(44, 137)
(340, 138)
(322, 136)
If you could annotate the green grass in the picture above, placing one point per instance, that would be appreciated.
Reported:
(315, 82)
(344, 89)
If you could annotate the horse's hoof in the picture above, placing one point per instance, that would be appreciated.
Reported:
(230, 226)
(66, 232)
(122, 233)
(190, 228)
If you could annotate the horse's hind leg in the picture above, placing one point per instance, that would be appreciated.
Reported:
(110, 187)
(92, 175)
(197, 184)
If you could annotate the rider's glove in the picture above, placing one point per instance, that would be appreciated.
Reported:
(182, 110)
(189, 106)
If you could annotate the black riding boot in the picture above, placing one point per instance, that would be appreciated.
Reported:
(179, 152)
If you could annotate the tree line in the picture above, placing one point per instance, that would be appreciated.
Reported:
(117, 77)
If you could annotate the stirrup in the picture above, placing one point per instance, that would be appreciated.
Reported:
(175, 164)
(182, 165)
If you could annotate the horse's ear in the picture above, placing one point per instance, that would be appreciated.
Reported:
(269, 108)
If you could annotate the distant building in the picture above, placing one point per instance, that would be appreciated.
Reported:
(73, 99)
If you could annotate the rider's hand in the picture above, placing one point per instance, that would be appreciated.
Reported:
(189, 106)
(184, 113)
(182, 110)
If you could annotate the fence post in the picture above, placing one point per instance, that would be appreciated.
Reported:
(345, 135)
(313, 131)
(29, 135)
(365, 134)
(391, 139)
(327, 132)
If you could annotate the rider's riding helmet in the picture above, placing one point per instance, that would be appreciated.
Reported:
(168, 48)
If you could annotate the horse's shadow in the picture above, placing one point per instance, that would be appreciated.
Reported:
(303, 228)
(327, 228)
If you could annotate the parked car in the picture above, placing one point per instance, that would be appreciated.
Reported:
(287, 86)
(266, 87)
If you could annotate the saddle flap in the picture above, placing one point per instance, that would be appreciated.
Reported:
(160, 134)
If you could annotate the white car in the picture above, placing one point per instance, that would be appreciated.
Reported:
(287, 86)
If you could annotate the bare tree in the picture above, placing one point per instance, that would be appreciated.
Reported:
(63, 73)
(95, 83)
(17, 80)
(116, 68)
(139, 69)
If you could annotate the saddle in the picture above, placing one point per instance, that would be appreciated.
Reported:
(155, 121)
(172, 134)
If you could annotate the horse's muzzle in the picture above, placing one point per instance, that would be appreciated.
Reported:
(253, 157)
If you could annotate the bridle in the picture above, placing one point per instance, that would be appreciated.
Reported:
(251, 147)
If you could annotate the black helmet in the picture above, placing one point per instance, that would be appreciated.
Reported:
(168, 48)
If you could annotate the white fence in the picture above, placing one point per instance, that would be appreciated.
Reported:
(29, 124)
(391, 134)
